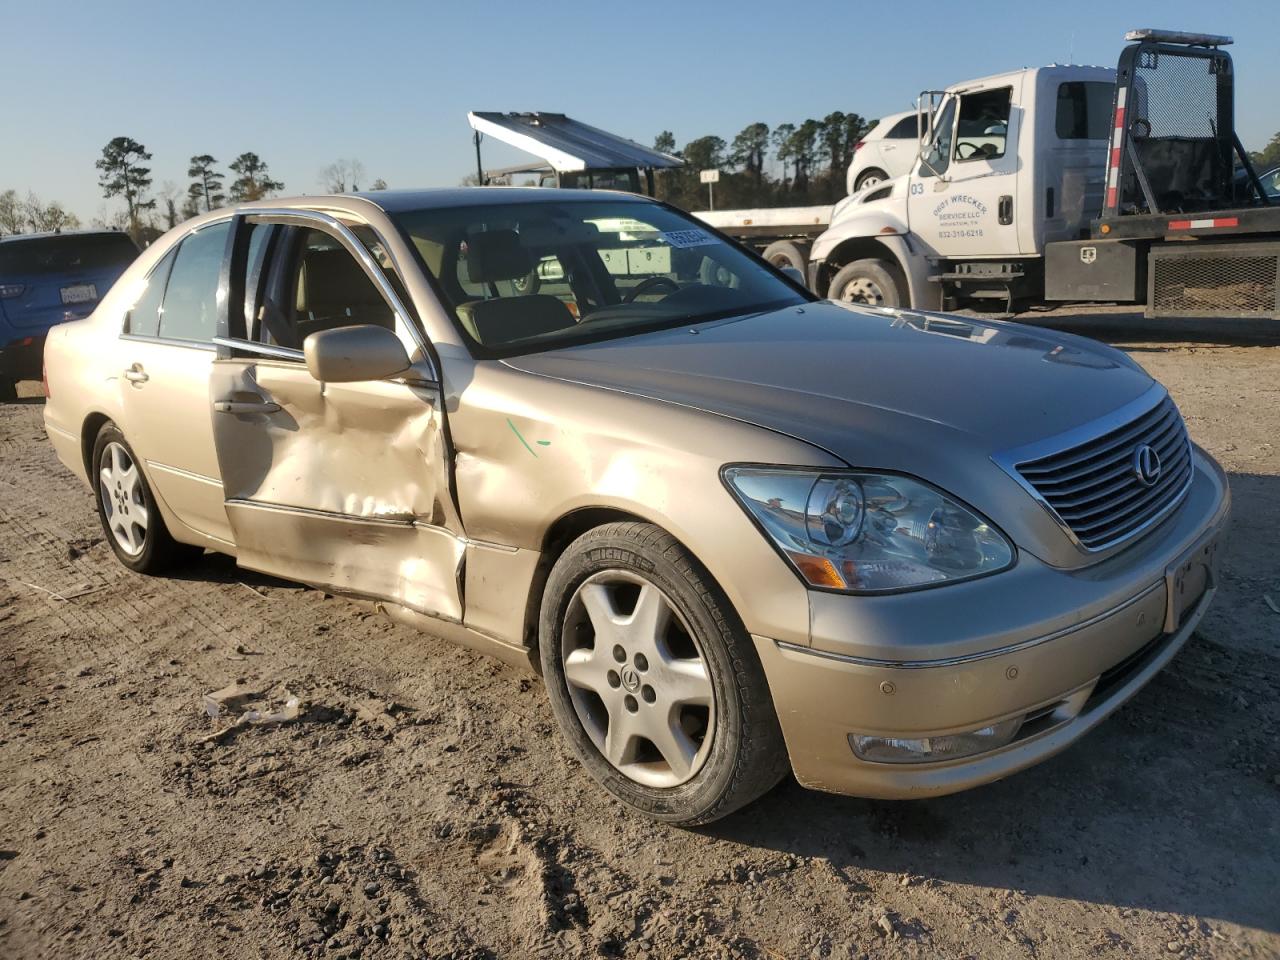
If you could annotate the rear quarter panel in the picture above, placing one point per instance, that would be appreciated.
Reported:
(83, 367)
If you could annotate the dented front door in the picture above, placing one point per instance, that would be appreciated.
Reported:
(338, 485)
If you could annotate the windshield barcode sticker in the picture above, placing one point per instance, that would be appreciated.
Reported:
(687, 238)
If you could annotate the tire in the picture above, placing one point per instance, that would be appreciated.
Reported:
(784, 253)
(873, 282)
(740, 755)
(8, 391)
(147, 547)
(529, 284)
(868, 178)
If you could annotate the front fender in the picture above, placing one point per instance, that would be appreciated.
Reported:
(858, 223)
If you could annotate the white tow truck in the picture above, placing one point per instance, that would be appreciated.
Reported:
(1070, 183)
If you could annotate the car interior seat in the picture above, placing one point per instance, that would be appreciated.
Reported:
(499, 255)
(333, 291)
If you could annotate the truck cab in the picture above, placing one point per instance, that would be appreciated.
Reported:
(1007, 164)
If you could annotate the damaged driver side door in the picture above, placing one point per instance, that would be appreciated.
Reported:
(344, 486)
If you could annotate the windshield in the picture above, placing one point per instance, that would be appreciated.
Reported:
(526, 277)
(71, 253)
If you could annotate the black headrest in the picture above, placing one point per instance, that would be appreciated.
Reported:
(505, 319)
(496, 255)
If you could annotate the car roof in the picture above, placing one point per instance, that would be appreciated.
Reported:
(398, 201)
(18, 237)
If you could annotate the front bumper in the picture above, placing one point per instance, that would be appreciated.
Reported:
(1064, 669)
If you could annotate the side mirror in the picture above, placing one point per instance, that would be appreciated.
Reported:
(353, 354)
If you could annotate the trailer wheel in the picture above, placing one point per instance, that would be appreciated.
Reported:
(784, 253)
(873, 282)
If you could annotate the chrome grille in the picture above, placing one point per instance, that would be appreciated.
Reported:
(1094, 488)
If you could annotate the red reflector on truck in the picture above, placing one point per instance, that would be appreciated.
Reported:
(1204, 224)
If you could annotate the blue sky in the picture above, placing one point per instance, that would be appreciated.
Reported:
(303, 84)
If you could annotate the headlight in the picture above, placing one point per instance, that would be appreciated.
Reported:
(868, 532)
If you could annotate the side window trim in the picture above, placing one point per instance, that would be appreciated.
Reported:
(955, 140)
(168, 260)
(316, 220)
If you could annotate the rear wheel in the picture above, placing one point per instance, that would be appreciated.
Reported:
(8, 391)
(654, 683)
(130, 518)
(873, 282)
(784, 253)
(869, 178)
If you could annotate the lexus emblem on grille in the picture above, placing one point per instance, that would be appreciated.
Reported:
(1146, 465)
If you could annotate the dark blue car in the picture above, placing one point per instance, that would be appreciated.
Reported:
(48, 278)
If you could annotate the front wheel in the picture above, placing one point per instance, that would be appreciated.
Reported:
(130, 518)
(873, 282)
(652, 679)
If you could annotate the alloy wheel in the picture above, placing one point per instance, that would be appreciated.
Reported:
(637, 679)
(123, 500)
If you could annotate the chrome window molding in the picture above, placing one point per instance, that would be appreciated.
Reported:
(1010, 460)
(332, 225)
(261, 349)
(171, 341)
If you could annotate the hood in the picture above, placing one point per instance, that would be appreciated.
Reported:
(929, 395)
(889, 195)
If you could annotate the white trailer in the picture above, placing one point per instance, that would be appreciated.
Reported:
(782, 235)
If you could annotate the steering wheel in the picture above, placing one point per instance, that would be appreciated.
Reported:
(974, 150)
(648, 284)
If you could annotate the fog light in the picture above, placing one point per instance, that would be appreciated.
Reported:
(934, 749)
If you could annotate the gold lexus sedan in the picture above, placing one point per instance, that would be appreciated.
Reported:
(741, 531)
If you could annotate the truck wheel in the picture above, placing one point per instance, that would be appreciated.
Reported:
(784, 253)
(653, 680)
(869, 178)
(873, 282)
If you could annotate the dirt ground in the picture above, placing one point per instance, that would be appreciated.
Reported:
(423, 806)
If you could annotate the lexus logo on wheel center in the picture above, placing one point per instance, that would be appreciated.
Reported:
(1146, 465)
(630, 679)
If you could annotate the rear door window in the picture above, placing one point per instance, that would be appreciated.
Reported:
(908, 128)
(144, 318)
(191, 298)
(1084, 110)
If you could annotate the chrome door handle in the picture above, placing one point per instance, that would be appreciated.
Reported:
(136, 375)
(241, 407)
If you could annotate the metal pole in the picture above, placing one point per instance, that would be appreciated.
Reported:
(711, 195)
(479, 165)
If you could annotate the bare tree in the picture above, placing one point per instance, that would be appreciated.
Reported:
(168, 195)
(342, 176)
(379, 184)
(12, 216)
(47, 218)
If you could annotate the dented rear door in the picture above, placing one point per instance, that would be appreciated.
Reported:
(344, 486)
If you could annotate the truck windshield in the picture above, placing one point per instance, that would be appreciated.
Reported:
(531, 276)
